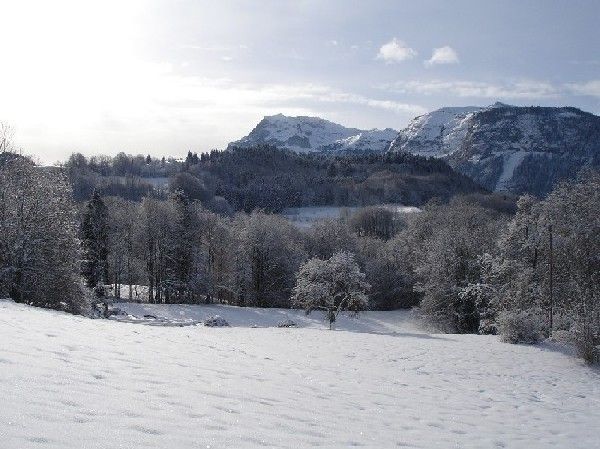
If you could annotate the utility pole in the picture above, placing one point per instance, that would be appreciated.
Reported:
(551, 270)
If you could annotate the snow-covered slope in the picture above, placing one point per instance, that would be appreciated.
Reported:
(378, 382)
(437, 134)
(311, 134)
(519, 149)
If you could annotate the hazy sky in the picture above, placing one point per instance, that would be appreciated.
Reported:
(165, 76)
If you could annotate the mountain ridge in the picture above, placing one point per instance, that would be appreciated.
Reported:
(520, 149)
(305, 134)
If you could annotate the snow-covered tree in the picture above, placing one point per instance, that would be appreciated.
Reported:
(155, 231)
(376, 221)
(38, 238)
(329, 236)
(450, 239)
(268, 251)
(551, 248)
(332, 286)
(125, 245)
(213, 280)
(389, 271)
(7, 134)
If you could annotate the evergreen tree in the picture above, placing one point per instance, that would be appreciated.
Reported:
(182, 244)
(94, 239)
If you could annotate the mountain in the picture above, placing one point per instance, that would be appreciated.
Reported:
(507, 148)
(313, 134)
(435, 134)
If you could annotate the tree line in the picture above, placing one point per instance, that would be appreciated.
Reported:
(184, 253)
(268, 178)
(477, 263)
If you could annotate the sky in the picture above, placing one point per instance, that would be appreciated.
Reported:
(163, 77)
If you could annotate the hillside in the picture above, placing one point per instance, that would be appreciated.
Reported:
(273, 179)
(314, 134)
(507, 148)
(379, 381)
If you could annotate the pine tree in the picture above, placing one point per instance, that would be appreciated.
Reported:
(94, 239)
(182, 244)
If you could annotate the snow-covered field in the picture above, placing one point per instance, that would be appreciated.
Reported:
(379, 381)
(306, 217)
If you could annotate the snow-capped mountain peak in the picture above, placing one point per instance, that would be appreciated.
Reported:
(313, 134)
(503, 147)
(437, 133)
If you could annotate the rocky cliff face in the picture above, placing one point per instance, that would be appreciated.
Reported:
(313, 134)
(507, 148)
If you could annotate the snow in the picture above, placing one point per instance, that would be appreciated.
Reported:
(377, 382)
(305, 217)
(310, 134)
(510, 162)
(568, 114)
(466, 138)
(437, 134)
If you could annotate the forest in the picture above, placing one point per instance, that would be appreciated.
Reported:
(473, 262)
(269, 179)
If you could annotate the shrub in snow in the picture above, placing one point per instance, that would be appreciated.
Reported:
(519, 326)
(216, 321)
(287, 323)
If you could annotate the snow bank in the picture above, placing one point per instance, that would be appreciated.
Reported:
(70, 382)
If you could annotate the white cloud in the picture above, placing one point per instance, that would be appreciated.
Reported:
(523, 89)
(442, 55)
(283, 95)
(395, 51)
(590, 88)
(389, 105)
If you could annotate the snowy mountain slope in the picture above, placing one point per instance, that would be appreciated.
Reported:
(436, 134)
(518, 149)
(70, 382)
(313, 134)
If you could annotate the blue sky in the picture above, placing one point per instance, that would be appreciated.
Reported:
(163, 77)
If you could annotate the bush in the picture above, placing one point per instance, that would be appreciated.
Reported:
(521, 326)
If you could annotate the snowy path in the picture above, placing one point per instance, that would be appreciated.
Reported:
(70, 382)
